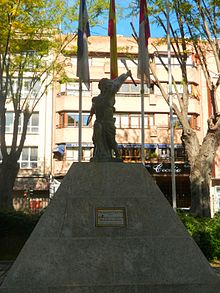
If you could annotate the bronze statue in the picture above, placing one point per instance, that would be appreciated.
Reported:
(104, 130)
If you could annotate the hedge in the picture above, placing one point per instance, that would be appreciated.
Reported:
(205, 232)
(15, 228)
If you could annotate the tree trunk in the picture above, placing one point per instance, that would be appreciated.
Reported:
(8, 173)
(200, 196)
(201, 159)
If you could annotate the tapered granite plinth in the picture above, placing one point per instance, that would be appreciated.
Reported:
(110, 229)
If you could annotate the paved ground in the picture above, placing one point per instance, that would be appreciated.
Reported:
(5, 266)
(217, 270)
(216, 267)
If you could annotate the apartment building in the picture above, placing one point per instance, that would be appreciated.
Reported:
(51, 144)
(35, 161)
(128, 118)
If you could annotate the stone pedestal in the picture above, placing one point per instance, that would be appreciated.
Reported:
(109, 229)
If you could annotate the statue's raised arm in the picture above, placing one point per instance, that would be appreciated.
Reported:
(117, 82)
(105, 146)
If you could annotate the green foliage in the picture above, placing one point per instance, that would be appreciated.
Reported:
(205, 232)
(17, 222)
(15, 228)
(153, 155)
(33, 35)
(70, 52)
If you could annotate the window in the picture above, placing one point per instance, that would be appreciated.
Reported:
(174, 60)
(36, 88)
(32, 127)
(130, 88)
(28, 158)
(33, 123)
(72, 153)
(178, 87)
(193, 121)
(150, 153)
(124, 121)
(134, 121)
(29, 86)
(218, 198)
(130, 153)
(134, 88)
(26, 86)
(72, 88)
(86, 154)
(164, 152)
(85, 118)
(176, 123)
(9, 122)
(13, 86)
(117, 120)
(72, 120)
(148, 120)
(125, 88)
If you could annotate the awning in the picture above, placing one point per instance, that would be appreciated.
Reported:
(129, 145)
(163, 145)
(178, 146)
(137, 145)
(150, 145)
(59, 149)
(75, 144)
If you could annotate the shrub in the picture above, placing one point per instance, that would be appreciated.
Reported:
(205, 232)
(15, 228)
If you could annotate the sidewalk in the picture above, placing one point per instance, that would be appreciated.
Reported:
(216, 267)
(4, 268)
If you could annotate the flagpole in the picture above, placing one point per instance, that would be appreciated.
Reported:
(142, 120)
(173, 179)
(80, 122)
(82, 64)
(113, 41)
(143, 63)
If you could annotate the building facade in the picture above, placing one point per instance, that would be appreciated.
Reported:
(128, 115)
(31, 189)
(51, 144)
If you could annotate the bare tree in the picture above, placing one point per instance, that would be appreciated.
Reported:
(194, 29)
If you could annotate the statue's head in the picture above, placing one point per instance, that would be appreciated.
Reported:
(104, 84)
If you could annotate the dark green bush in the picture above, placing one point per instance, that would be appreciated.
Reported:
(15, 228)
(205, 232)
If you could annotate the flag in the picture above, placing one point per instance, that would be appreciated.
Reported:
(144, 34)
(113, 40)
(82, 45)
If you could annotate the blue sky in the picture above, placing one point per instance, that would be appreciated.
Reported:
(124, 28)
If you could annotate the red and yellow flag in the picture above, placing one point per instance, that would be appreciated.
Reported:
(113, 41)
(144, 20)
